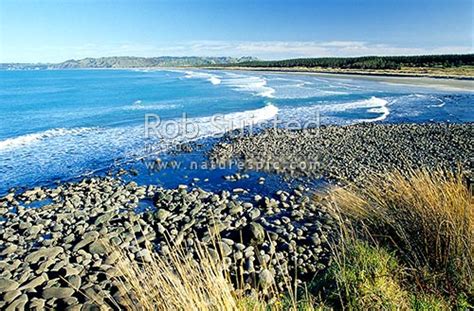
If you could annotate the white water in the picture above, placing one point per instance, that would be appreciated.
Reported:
(214, 79)
(245, 83)
(373, 105)
(251, 84)
(27, 139)
(216, 125)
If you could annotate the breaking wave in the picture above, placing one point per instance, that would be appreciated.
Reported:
(15, 142)
(373, 105)
(214, 79)
(251, 84)
(243, 83)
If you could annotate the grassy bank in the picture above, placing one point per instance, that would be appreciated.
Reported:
(409, 242)
(405, 242)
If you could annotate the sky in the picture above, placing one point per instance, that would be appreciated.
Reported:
(54, 30)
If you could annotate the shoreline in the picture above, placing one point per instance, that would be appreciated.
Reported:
(346, 154)
(459, 83)
(446, 82)
(346, 72)
(54, 253)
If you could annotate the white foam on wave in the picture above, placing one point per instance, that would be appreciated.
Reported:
(373, 105)
(433, 98)
(252, 117)
(379, 106)
(218, 124)
(292, 88)
(293, 82)
(251, 84)
(221, 123)
(438, 105)
(214, 79)
(142, 70)
(15, 142)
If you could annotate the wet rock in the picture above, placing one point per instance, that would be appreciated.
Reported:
(104, 218)
(74, 281)
(37, 304)
(9, 250)
(254, 213)
(235, 231)
(224, 249)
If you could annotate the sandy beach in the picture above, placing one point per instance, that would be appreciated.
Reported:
(441, 82)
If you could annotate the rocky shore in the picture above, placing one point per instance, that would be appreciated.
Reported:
(348, 153)
(58, 246)
(56, 257)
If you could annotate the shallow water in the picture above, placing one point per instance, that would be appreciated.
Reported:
(57, 125)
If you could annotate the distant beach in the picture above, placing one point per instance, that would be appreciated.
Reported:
(446, 82)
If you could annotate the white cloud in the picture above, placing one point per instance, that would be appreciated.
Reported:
(261, 49)
(282, 49)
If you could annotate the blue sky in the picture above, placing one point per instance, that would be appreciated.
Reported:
(53, 30)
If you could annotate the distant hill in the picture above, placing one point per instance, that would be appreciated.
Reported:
(133, 62)
(421, 64)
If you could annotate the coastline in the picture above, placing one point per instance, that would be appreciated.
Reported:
(60, 243)
(347, 154)
(350, 72)
(446, 82)
(465, 83)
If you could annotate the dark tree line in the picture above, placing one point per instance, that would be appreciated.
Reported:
(370, 62)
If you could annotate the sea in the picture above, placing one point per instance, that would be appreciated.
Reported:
(63, 125)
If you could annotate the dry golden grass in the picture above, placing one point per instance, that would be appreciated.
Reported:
(426, 217)
(417, 226)
(175, 283)
(181, 281)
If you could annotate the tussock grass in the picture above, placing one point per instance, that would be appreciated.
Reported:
(425, 217)
(406, 242)
(176, 282)
(181, 281)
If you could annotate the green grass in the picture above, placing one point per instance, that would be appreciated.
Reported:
(367, 277)
(425, 220)
(405, 243)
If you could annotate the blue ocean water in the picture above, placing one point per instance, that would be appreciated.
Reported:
(61, 124)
